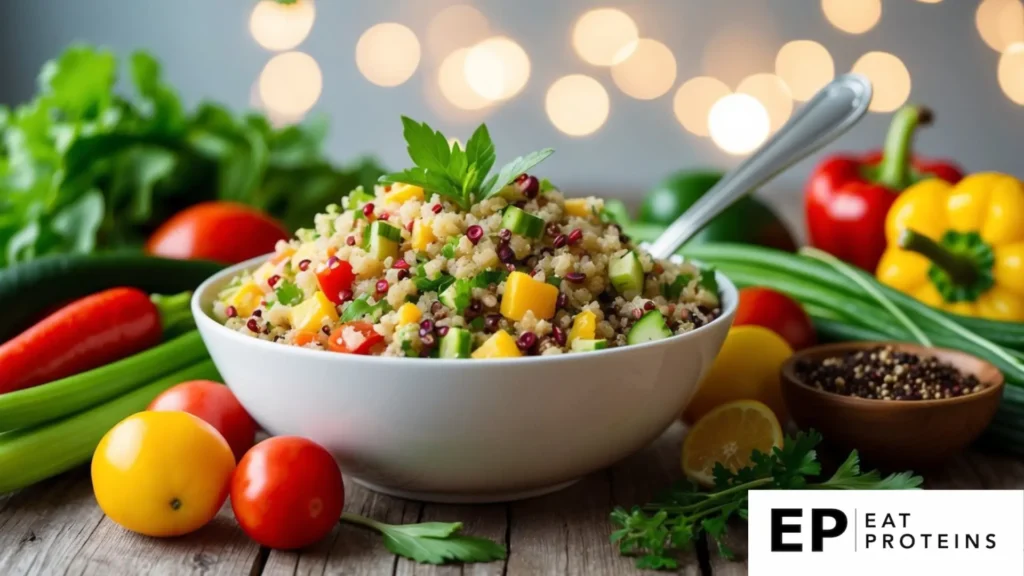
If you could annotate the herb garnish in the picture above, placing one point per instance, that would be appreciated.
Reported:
(657, 530)
(432, 542)
(459, 175)
(360, 308)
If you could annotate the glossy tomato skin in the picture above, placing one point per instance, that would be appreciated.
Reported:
(217, 406)
(777, 312)
(365, 345)
(225, 232)
(287, 492)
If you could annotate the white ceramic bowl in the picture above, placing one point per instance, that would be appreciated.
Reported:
(465, 430)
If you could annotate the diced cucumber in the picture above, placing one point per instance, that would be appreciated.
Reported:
(584, 345)
(457, 296)
(382, 240)
(650, 327)
(627, 274)
(385, 230)
(457, 343)
(519, 222)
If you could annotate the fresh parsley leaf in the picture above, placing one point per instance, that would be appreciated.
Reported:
(849, 477)
(546, 186)
(673, 290)
(554, 281)
(510, 171)
(708, 281)
(288, 293)
(488, 277)
(425, 284)
(457, 167)
(436, 181)
(427, 147)
(448, 250)
(480, 154)
(432, 542)
(361, 308)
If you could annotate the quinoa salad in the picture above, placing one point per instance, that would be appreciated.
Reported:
(441, 261)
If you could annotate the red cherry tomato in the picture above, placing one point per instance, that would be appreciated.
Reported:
(221, 231)
(354, 338)
(336, 276)
(777, 312)
(216, 405)
(287, 492)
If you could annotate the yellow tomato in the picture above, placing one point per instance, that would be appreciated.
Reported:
(162, 473)
(747, 368)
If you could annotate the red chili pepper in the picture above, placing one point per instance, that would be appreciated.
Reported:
(337, 276)
(86, 334)
(848, 197)
(354, 338)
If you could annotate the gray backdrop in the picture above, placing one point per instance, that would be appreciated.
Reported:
(208, 52)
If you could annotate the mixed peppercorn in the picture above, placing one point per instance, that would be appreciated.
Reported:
(884, 373)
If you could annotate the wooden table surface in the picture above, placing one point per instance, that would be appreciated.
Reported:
(57, 528)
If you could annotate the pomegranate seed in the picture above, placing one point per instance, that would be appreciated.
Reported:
(530, 187)
(436, 208)
(326, 330)
(304, 265)
(474, 233)
(475, 307)
(273, 280)
(505, 234)
(560, 240)
(410, 225)
(510, 267)
(400, 264)
(648, 305)
(575, 236)
(385, 216)
(345, 295)
(382, 286)
(521, 178)
(505, 254)
(368, 210)
(402, 275)
(576, 277)
(333, 262)
(230, 312)
(427, 326)
(526, 341)
(442, 331)
(252, 325)
(562, 301)
(491, 322)
(257, 313)
(559, 334)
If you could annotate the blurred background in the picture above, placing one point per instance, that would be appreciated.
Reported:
(626, 91)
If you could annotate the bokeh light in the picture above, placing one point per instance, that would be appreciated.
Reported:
(577, 105)
(805, 66)
(1011, 73)
(290, 84)
(605, 36)
(693, 101)
(647, 73)
(736, 51)
(1000, 23)
(889, 78)
(773, 93)
(852, 16)
(451, 77)
(455, 27)
(497, 68)
(388, 54)
(281, 26)
(738, 123)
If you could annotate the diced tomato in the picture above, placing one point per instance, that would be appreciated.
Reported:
(303, 338)
(334, 278)
(354, 338)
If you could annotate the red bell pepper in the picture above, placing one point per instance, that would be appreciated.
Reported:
(354, 338)
(848, 196)
(336, 277)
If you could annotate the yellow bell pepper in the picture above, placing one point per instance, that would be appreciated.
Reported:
(401, 193)
(584, 326)
(309, 315)
(422, 235)
(246, 299)
(500, 345)
(408, 313)
(524, 294)
(583, 207)
(959, 247)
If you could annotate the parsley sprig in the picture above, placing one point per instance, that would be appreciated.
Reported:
(431, 542)
(656, 531)
(459, 175)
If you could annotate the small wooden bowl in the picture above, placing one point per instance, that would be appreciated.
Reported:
(894, 434)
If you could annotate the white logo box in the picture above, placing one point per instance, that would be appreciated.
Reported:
(926, 532)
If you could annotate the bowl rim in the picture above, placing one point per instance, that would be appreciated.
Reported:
(727, 290)
(790, 378)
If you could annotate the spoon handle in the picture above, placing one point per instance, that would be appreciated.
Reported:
(831, 112)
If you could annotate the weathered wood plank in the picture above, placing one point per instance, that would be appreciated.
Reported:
(220, 547)
(350, 550)
(736, 540)
(485, 521)
(997, 472)
(44, 527)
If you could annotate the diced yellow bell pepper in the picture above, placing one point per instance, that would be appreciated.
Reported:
(403, 193)
(584, 325)
(501, 345)
(408, 313)
(309, 315)
(577, 207)
(422, 235)
(246, 299)
(282, 255)
(524, 294)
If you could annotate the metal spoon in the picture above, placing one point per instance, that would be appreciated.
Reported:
(832, 111)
